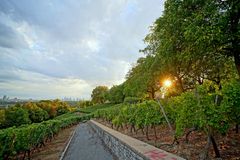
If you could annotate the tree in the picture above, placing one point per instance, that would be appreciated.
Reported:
(231, 101)
(61, 107)
(2, 118)
(16, 116)
(49, 107)
(36, 114)
(99, 94)
(140, 81)
(230, 22)
(115, 94)
(54, 108)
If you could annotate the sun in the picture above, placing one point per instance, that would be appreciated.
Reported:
(167, 83)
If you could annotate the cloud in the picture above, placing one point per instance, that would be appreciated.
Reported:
(30, 84)
(94, 42)
(9, 37)
(91, 44)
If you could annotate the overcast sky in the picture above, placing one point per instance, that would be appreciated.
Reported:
(55, 49)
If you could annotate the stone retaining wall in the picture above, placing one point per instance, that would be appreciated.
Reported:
(128, 148)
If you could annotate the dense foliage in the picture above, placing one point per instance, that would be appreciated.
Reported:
(231, 101)
(16, 116)
(99, 94)
(115, 94)
(32, 112)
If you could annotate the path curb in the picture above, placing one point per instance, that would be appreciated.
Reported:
(67, 146)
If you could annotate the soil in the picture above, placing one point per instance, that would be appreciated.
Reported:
(228, 145)
(53, 150)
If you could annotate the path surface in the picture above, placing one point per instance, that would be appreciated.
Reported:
(86, 145)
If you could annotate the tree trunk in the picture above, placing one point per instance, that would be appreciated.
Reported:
(29, 154)
(204, 154)
(237, 62)
(132, 128)
(179, 79)
(175, 140)
(142, 130)
(189, 132)
(217, 153)
(147, 133)
(234, 22)
(24, 155)
(121, 127)
(151, 92)
(236, 128)
(155, 132)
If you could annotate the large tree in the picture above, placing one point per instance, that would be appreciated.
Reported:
(99, 94)
(189, 41)
(115, 94)
(140, 81)
(230, 27)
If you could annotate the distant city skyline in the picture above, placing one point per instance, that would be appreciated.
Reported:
(7, 98)
(52, 49)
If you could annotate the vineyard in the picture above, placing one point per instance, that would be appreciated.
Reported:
(29, 126)
(193, 111)
(17, 142)
(93, 108)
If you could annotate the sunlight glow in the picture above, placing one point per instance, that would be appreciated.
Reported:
(167, 83)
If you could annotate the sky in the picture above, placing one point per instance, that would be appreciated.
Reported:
(53, 49)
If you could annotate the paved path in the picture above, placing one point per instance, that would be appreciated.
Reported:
(86, 145)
